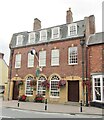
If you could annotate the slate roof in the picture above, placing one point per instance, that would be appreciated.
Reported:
(97, 38)
(63, 34)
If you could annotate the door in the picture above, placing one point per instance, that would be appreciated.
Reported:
(73, 91)
(15, 90)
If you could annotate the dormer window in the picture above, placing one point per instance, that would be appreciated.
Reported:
(72, 29)
(19, 40)
(31, 37)
(43, 35)
(55, 32)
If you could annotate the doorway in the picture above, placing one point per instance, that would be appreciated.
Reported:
(15, 90)
(73, 91)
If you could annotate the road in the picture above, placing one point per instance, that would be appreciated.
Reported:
(18, 113)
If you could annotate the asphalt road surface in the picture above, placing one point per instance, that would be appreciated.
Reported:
(17, 113)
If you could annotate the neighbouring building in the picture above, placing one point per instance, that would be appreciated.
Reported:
(95, 51)
(3, 76)
(57, 58)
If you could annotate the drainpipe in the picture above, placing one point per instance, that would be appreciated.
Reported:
(86, 74)
(10, 70)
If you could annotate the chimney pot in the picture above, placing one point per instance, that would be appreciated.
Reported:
(36, 24)
(69, 18)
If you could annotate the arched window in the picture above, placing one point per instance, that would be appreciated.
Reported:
(54, 90)
(41, 89)
(29, 89)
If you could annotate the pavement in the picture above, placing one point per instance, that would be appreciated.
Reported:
(56, 108)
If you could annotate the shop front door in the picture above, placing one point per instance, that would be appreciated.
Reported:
(73, 91)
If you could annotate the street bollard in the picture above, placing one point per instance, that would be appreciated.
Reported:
(45, 104)
(81, 106)
(18, 104)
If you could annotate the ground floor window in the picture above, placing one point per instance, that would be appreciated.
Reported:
(41, 90)
(98, 88)
(54, 90)
(29, 89)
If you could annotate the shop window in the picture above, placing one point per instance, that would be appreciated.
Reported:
(98, 88)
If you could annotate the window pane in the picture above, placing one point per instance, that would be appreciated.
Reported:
(73, 55)
(19, 40)
(40, 89)
(72, 29)
(18, 61)
(54, 91)
(55, 33)
(31, 37)
(30, 60)
(42, 58)
(29, 89)
(55, 57)
(43, 35)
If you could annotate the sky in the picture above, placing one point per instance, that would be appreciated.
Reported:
(18, 16)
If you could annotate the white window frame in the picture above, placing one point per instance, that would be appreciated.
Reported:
(19, 40)
(18, 61)
(30, 60)
(28, 88)
(40, 89)
(57, 91)
(42, 36)
(72, 29)
(42, 58)
(31, 39)
(72, 58)
(55, 57)
(54, 34)
(101, 77)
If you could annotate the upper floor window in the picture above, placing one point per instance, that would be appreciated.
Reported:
(19, 40)
(43, 35)
(55, 32)
(31, 37)
(72, 29)
(30, 60)
(72, 55)
(42, 58)
(55, 57)
(18, 61)
(29, 89)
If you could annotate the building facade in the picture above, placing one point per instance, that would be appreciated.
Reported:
(54, 55)
(96, 68)
(3, 76)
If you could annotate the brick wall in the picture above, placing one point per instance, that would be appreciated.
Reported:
(63, 69)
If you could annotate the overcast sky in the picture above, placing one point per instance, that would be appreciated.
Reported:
(18, 16)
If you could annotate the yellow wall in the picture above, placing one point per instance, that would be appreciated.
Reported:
(4, 76)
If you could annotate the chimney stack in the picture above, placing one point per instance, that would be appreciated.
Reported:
(36, 24)
(69, 18)
(1, 55)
